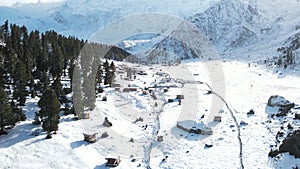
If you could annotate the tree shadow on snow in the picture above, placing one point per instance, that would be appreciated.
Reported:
(18, 134)
(36, 141)
(77, 144)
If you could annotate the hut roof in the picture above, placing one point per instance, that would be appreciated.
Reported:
(113, 162)
(91, 138)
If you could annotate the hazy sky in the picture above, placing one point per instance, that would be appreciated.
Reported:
(11, 2)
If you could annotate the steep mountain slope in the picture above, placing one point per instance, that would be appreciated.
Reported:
(234, 26)
(231, 23)
(32, 15)
(228, 24)
(84, 17)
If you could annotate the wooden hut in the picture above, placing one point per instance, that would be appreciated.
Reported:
(180, 96)
(160, 138)
(130, 89)
(90, 138)
(133, 89)
(113, 162)
(145, 92)
(83, 116)
(116, 85)
(206, 131)
(217, 118)
(170, 100)
(126, 90)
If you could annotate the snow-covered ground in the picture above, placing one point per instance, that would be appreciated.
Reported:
(246, 88)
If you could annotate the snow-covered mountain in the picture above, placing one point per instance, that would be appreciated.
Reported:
(32, 15)
(232, 23)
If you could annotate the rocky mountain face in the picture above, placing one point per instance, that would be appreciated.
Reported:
(229, 24)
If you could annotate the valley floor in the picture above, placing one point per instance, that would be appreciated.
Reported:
(243, 88)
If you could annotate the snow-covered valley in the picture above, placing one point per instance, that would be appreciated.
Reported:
(179, 149)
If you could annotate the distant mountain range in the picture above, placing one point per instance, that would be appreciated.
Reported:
(246, 26)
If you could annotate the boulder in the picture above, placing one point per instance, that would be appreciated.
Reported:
(251, 112)
(297, 117)
(279, 101)
(104, 135)
(284, 105)
(49, 136)
(208, 145)
(291, 144)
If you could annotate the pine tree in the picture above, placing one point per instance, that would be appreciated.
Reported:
(49, 110)
(57, 86)
(45, 80)
(17, 111)
(20, 81)
(112, 66)
(109, 73)
(99, 76)
(106, 66)
(6, 116)
(57, 61)
(109, 78)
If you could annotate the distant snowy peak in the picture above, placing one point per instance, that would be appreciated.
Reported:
(84, 17)
(228, 24)
(231, 23)
(35, 16)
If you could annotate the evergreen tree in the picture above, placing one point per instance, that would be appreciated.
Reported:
(106, 66)
(20, 81)
(57, 61)
(57, 86)
(109, 73)
(45, 80)
(17, 111)
(5, 31)
(99, 76)
(112, 66)
(6, 116)
(109, 78)
(49, 110)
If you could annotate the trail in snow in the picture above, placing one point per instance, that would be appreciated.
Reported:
(230, 110)
(157, 110)
(236, 125)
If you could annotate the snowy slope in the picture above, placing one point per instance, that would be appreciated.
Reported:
(21, 149)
